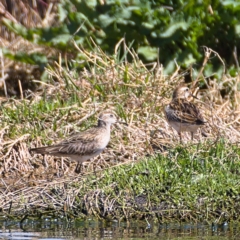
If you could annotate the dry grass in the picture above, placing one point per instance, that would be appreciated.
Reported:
(30, 14)
(71, 100)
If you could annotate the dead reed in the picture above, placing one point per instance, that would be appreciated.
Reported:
(69, 102)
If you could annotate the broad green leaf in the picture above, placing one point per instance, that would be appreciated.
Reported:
(237, 29)
(173, 28)
(105, 20)
(149, 53)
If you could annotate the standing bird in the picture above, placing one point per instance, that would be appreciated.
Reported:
(181, 114)
(85, 145)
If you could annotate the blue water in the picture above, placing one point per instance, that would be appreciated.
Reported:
(90, 229)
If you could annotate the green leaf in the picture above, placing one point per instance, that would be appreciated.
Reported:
(34, 58)
(149, 53)
(105, 20)
(62, 12)
(17, 28)
(173, 28)
(237, 29)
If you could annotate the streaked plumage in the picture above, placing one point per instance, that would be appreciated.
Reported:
(181, 114)
(85, 145)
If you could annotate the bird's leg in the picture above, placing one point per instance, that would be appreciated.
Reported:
(192, 135)
(180, 136)
(204, 134)
(78, 168)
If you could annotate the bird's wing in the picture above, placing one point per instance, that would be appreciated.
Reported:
(83, 143)
(80, 143)
(186, 112)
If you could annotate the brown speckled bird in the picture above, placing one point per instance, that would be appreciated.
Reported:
(181, 114)
(85, 145)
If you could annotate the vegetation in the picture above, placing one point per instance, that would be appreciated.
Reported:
(145, 172)
(160, 30)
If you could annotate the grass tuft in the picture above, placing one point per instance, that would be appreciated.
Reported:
(144, 171)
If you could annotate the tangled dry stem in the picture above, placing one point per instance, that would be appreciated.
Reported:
(35, 184)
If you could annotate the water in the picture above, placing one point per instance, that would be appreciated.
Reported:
(90, 229)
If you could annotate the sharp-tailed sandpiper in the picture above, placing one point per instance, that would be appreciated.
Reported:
(181, 114)
(85, 145)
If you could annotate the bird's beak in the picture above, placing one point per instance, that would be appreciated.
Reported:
(193, 96)
(122, 123)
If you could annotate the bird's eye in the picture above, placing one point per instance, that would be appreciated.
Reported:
(187, 89)
(111, 115)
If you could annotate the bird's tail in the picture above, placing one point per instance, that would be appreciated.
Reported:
(40, 150)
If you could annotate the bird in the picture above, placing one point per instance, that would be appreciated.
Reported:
(183, 115)
(84, 145)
